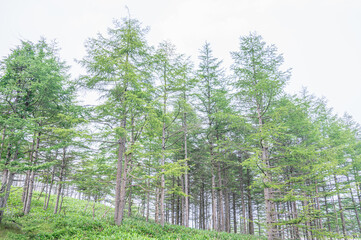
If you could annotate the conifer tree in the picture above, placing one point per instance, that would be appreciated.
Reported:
(258, 85)
(117, 68)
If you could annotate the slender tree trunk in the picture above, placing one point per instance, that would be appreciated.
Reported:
(7, 181)
(178, 212)
(336, 215)
(130, 198)
(156, 213)
(186, 198)
(123, 188)
(258, 219)
(28, 173)
(319, 222)
(46, 203)
(121, 150)
(340, 209)
(220, 199)
(308, 223)
(268, 191)
(354, 206)
(241, 182)
(295, 216)
(214, 203)
(234, 213)
(173, 202)
(2, 141)
(200, 208)
(61, 177)
(29, 197)
(26, 185)
(250, 208)
(326, 209)
(62, 197)
(227, 225)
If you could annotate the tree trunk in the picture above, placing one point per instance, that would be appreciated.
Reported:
(121, 150)
(148, 202)
(156, 213)
(234, 213)
(26, 184)
(214, 203)
(61, 177)
(2, 141)
(326, 209)
(7, 181)
(241, 182)
(162, 194)
(227, 224)
(46, 203)
(62, 197)
(354, 207)
(29, 196)
(186, 198)
(123, 189)
(340, 209)
(220, 199)
(319, 222)
(250, 208)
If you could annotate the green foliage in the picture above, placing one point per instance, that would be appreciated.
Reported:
(74, 223)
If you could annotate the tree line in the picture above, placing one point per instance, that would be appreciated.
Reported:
(197, 146)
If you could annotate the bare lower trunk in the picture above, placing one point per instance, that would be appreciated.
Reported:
(227, 211)
(319, 221)
(123, 189)
(46, 202)
(62, 199)
(327, 213)
(270, 211)
(61, 178)
(162, 178)
(354, 207)
(214, 203)
(148, 209)
(243, 220)
(27, 203)
(26, 186)
(156, 213)
(186, 198)
(234, 213)
(121, 150)
(250, 208)
(7, 181)
(220, 200)
(340, 209)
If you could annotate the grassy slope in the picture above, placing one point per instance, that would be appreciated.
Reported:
(75, 224)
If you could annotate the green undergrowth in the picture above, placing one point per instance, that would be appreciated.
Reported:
(74, 223)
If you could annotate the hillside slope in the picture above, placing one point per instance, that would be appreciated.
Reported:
(75, 223)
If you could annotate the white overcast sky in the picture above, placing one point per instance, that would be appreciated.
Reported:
(320, 39)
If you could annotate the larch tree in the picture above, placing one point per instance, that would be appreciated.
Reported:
(259, 82)
(34, 86)
(211, 94)
(117, 68)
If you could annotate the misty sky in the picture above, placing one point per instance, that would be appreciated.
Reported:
(320, 39)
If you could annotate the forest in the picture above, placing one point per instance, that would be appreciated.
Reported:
(210, 147)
